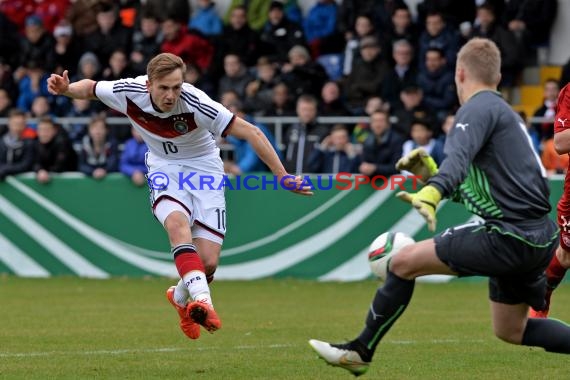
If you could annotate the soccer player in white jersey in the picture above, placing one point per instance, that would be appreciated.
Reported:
(179, 122)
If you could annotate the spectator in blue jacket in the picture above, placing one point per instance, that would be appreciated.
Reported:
(320, 22)
(438, 35)
(132, 162)
(206, 19)
(335, 154)
(245, 158)
(32, 85)
(438, 84)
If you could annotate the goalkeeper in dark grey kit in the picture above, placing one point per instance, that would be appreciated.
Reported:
(492, 169)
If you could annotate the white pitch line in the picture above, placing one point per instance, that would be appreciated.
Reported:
(212, 348)
(133, 351)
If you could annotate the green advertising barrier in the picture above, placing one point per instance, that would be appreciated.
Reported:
(79, 226)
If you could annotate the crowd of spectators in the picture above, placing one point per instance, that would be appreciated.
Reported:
(369, 58)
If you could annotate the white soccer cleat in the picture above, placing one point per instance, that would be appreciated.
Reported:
(339, 356)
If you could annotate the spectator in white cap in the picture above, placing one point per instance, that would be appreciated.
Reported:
(66, 47)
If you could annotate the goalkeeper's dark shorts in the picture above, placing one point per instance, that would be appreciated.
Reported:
(513, 256)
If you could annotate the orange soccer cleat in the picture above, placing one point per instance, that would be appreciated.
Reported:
(204, 314)
(542, 313)
(190, 328)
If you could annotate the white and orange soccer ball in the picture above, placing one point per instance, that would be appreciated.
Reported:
(383, 248)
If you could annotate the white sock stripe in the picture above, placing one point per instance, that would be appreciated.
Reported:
(181, 247)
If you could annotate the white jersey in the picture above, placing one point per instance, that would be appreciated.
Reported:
(187, 132)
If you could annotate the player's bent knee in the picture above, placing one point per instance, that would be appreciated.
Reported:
(210, 265)
(403, 264)
(509, 335)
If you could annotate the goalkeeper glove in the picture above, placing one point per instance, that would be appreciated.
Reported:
(420, 163)
(425, 201)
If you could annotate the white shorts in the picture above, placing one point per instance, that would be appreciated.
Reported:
(196, 186)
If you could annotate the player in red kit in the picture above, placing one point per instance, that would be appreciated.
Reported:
(561, 260)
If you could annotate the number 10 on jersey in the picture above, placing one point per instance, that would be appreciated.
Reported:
(169, 147)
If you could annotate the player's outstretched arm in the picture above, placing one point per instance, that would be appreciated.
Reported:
(259, 142)
(59, 85)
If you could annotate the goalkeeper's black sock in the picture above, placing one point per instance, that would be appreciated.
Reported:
(550, 334)
(389, 303)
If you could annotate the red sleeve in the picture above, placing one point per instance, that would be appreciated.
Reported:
(562, 118)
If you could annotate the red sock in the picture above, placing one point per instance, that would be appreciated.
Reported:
(187, 259)
(555, 273)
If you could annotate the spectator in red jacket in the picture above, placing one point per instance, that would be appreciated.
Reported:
(190, 47)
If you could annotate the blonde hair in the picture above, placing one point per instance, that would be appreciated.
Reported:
(482, 59)
(163, 64)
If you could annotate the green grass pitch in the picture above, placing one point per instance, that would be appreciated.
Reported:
(70, 328)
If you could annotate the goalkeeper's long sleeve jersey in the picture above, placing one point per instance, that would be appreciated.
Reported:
(491, 165)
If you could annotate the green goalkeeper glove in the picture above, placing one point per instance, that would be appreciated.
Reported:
(425, 201)
(420, 163)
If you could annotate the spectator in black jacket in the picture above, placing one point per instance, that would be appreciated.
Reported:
(382, 148)
(402, 75)
(16, 153)
(512, 51)
(99, 154)
(67, 48)
(109, 36)
(402, 27)
(302, 75)
(438, 84)
(366, 75)
(146, 42)
(531, 19)
(37, 45)
(238, 38)
(301, 138)
(54, 151)
(279, 34)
